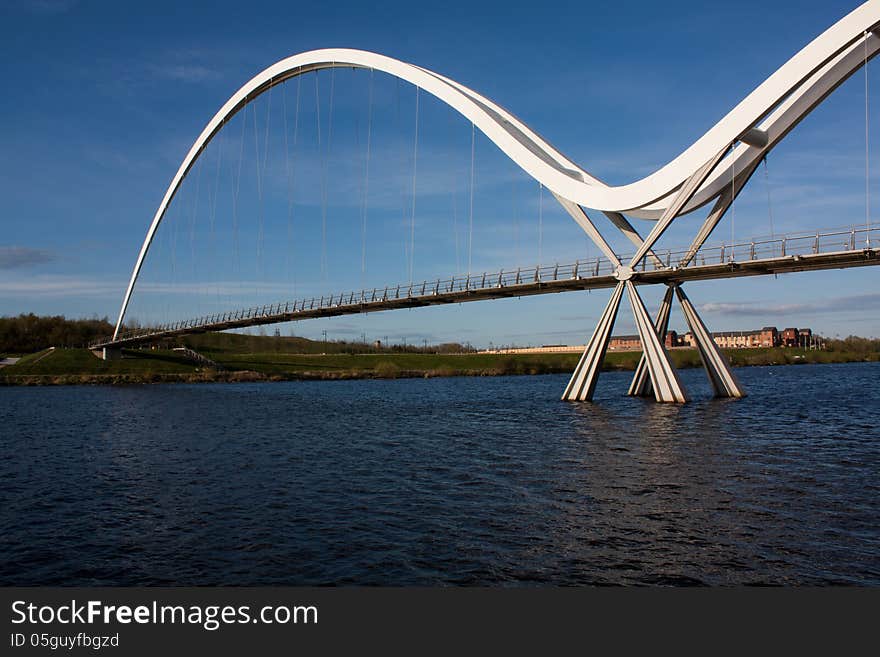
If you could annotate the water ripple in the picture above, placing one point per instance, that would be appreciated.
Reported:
(469, 481)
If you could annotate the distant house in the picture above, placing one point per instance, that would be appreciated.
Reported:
(737, 339)
(624, 343)
(769, 336)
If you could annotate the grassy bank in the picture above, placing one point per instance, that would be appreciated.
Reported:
(79, 366)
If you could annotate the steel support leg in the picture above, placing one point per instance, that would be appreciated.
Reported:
(583, 380)
(664, 379)
(685, 193)
(718, 369)
(641, 383)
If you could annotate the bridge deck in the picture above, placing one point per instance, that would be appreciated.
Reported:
(778, 256)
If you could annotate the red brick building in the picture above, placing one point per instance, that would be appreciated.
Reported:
(789, 337)
(769, 336)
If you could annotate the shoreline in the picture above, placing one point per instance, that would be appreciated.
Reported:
(384, 370)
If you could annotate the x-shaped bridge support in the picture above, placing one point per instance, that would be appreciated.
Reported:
(655, 373)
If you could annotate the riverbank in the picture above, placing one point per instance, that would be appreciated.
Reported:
(79, 366)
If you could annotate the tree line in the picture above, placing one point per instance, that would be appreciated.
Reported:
(853, 344)
(29, 333)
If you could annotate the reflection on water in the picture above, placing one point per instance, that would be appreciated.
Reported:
(453, 481)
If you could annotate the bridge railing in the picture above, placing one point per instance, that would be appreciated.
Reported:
(799, 244)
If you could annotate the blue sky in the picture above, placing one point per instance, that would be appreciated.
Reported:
(104, 99)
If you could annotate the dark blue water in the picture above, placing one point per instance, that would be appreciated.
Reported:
(443, 481)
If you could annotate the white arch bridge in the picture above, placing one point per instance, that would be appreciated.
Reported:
(713, 170)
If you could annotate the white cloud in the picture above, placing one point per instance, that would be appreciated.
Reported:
(854, 302)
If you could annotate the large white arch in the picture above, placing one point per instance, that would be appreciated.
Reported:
(781, 101)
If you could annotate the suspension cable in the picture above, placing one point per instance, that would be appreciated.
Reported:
(175, 223)
(327, 164)
(193, 232)
(412, 225)
(235, 174)
(166, 253)
(323, 180)
(515, 199)
(287, 173)
(259, 203)
(236, 251)
(291, 186)
(330, 109)
(540, 222)
(257, 152)
(262, 232)
(213, 245)
(769, 204)
(366, 179)
(192, 218)
(268, 123)
(732, 200)
(471, 203)
(867, 160)
(402, 162)
(455, 221)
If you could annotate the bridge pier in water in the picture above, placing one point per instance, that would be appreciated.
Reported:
(722, 378)
(641, 383)
(655, 372)
(655, 375)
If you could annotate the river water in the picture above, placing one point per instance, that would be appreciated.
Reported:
(458, 481)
